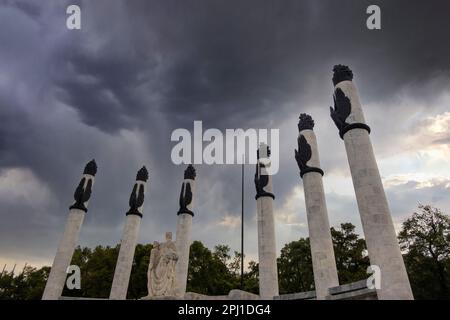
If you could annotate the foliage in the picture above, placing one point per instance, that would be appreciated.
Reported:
(424, 240)
(209, 272)
(97, 271)
(28, 285)
(295, 267)
(425, 237)
(350, 254)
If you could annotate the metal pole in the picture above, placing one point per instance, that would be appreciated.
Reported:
(242, 226)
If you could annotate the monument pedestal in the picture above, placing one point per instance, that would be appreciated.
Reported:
(130, 234)
(267, 253)
(379, 232)
(57, 278)
(58, 273)
(124, 264)
(184, 226)
(322, 253)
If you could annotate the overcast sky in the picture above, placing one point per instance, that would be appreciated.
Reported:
(116, 89)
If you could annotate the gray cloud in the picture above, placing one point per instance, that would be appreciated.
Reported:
(115, 90)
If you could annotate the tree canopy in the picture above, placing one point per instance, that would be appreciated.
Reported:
(424, 240)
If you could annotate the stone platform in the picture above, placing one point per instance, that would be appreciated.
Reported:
(352, 291)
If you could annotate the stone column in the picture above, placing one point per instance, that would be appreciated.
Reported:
(184, 226)
(267, 253)
(322, 253)
(379, 231)
(57, 278)
(129, 238)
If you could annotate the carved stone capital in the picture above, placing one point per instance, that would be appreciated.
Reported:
(305, 122)
(341, 73)
(190, 173)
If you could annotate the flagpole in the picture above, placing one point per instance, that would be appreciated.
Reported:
(242, 224)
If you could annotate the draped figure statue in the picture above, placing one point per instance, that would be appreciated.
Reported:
(161, 270)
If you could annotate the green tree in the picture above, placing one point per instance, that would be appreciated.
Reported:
(222, 252)
(425, 237)
(295, 267)
(208, 272)
(7, 288)
(97, 271)
(234, 266)
(28, 285)
(350, 254)
(138, 280)
(251, 283)
(34, 282)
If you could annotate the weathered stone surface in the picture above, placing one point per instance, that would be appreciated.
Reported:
(242, 295)
(351, 92)
(162, 298)
(378, 227)
(130, 234)
(308, 295)
(353, 291)
(183, 239)
(57, 278)
(324, 263)
(80, 298)
(161, 274)
(125, 260)
(361, 294)
(362, 284)
(198, 296)
(232, 295)
(268, 271)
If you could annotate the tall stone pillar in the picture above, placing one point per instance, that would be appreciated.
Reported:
(57, 278)
(322, 253)
(267, 253)
(184, 226)
(379, 231)
(129, 238)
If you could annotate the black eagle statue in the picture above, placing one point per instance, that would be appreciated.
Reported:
(342, 109)
(82, 195)
(136, 199)
(185, 199)
(261, 181)
(303, 154)
(137, 196)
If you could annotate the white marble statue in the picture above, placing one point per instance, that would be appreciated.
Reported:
(161, 270)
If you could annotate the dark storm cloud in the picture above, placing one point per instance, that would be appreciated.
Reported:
(235, 60)
(116, 89)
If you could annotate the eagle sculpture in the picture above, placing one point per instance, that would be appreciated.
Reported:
(342, 109)
(261, 181)
(185, 199)
(82, 195)
(303, 154)
(136, 199)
